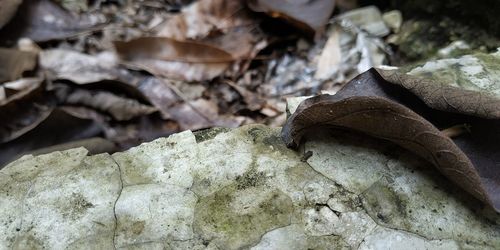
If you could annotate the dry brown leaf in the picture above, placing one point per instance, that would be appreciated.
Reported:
(225, 24)
(173, 105)
(78, 67)
(24, 110)
(44, 20)
(159, 94)
(200, 19)
(14, 62)
(310, 15)
(169, 58)
(127, 133)
(3, 96)
(59, 127)
(19, 86)
(373, 106)
(240, 42)
(200, 114)
(330, 58)
(147, 128)
(118, 107)
(166, 49)
(252, 99)
(7, 10)
(189, 117)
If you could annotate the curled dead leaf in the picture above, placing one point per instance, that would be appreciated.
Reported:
(371, 105)
(310, 16)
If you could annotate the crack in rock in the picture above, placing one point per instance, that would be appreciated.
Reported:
(116, 201)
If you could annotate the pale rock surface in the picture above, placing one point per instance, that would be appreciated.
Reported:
(477, 72)
(239, 188)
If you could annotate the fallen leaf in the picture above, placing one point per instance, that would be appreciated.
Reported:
(26, 44)
(23, 83)
(58, 127)
(242, 43)
(146, 128)
(8, 10)
(289, 75)
(189, 116)
(252, 99)
(118, 107)
(159, 94)
(310, 15)
(14, 63)
(368, 19)
(126, 134)
(78, 67)
(24, 110)
(18, 86)
(330, 58)
(371, 105)
(200, 19)
(200, 114)
(393, 19)
(87, 113)
(75, 6)
(350, 47)
(3, 96)
(169, 58)
(225, 24)
(44, 20)
(166, 49)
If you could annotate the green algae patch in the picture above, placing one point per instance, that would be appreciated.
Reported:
(384, 205)
(267, 140)
(250, 178)
(238, 218)
(75, 207)
(207, 134)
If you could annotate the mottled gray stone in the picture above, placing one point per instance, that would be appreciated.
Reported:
(478, 72)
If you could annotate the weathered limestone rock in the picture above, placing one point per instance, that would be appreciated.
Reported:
(240, 188)
(477, 72)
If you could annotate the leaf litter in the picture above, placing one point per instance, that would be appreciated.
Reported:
(109, 75)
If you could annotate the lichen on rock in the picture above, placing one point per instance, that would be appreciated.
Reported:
(239, 188)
